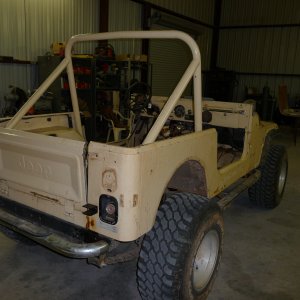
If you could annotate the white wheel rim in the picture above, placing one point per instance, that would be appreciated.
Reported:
(282, 177)
(205, 260)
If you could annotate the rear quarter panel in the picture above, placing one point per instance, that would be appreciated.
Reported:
(141, 174)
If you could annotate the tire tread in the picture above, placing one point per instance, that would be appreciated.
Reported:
(264, 192)
(165, 243)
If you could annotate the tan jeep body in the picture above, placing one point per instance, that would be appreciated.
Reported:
(46, 164)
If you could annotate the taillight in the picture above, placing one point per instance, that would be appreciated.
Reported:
(108, 211)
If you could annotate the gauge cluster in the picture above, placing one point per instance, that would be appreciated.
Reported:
(180, 121)
(183, 111)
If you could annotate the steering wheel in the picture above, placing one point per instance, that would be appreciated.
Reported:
(138, 96)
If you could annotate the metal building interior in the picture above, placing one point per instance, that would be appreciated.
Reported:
(249, 52)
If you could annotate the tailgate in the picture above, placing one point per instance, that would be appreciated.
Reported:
(43, 164)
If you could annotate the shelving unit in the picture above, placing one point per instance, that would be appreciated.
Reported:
(84, 73)
(95, 80)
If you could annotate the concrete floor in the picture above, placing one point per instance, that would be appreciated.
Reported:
(260, 259)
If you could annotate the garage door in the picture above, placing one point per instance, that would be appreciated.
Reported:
(169, 59)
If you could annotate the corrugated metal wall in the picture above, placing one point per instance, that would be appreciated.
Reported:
(202, 10)
(169, 59)
(28, 27)
(57, 20)
(261, 50)
(125, 15)
(244, 12)
(204, 42)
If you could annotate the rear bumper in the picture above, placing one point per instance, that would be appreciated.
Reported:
(71, 245)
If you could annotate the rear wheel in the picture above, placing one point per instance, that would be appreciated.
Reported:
(268, 190)
(180, 256)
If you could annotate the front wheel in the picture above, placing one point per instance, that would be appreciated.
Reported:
(268, 190)
(180, 256)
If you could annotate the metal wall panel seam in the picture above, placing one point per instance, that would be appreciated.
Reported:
(201, 10)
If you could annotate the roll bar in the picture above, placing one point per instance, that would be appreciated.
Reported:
(193, 70)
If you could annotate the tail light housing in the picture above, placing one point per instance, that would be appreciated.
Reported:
(108, 209)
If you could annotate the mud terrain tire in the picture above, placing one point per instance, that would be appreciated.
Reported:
(268, 190)
(180, 256)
